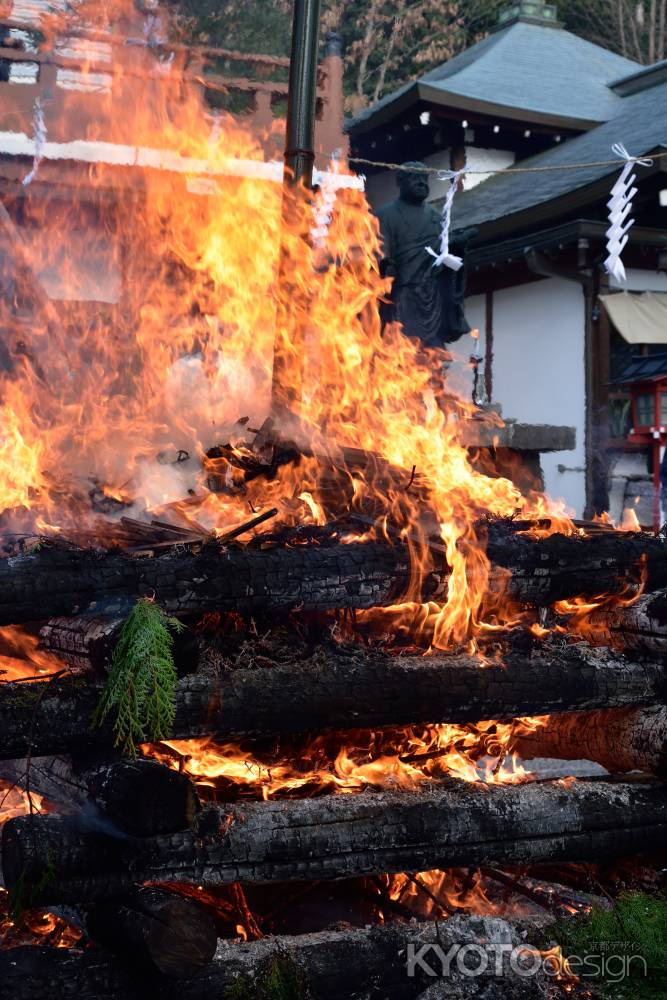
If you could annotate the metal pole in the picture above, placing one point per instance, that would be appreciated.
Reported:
(289, 338)
(300, 133)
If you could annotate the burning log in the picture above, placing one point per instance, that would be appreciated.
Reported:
(446, 824)
(330, 964)
(140, 797)
(618, 740)
(554, 568)
(57, 581)
(156, 931)
(641, 626)
(340, 688)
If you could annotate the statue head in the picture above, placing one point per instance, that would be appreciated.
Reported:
(413, 183)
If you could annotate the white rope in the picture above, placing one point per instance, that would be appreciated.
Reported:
(620, 207)
(445, 258)
(325, 205)
(39, 132)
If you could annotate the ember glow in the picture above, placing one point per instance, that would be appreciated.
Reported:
(21, 657)
(443, 892)
(122, 405)
(32, 926)
(35, 927)
(400, 760)
(16, 802)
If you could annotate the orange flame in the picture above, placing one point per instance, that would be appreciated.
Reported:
(34, 927)
(21, 657)
(186, 259)
(407, 759)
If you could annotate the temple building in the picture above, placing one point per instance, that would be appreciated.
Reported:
(556, 331)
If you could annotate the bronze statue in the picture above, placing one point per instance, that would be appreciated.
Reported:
(426, 300)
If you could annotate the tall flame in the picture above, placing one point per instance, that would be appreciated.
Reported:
(186, 250)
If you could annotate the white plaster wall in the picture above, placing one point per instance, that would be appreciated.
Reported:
(381, 188)
(486, 160)
(539, 369)
(642, 281)
(77, 265)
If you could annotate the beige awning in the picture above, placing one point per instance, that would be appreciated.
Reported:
(639, 318)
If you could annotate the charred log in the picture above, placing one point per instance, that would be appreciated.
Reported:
(340, 688)
(155, 930)
(641, 626)
(140, 797)
(549, 569)
(329, 964)
(84, 643)
(56, 581)
(634, 740)
(455, 824)
(87, 643)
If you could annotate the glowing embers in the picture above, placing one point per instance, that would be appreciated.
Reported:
(15, 801)
(22, 658)
(34, 926)
(19, 924)
(251, 911)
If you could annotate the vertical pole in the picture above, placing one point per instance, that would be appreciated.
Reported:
(656, 486)
(656, 459)
(330, 136)
(299, 161)
(300, 133)
(488, 339)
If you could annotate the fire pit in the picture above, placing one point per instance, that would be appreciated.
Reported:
(280, 667)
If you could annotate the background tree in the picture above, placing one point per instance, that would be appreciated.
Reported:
(246, 25)
(389, 42)
(635, 29)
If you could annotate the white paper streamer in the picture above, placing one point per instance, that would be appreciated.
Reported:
(620, 207)
(324, 206)
(39, 131)
(445, 258)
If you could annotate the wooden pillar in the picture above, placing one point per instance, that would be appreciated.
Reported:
(329, 132)
(598, 405)
(488, 345)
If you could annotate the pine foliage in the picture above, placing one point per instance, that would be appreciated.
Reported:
(140, 693)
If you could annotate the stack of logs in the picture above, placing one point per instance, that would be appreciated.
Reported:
(125, 828)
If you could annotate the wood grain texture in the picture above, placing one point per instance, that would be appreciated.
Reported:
(620, 740)
(54, 581)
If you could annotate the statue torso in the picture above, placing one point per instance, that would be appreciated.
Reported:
(407, 229)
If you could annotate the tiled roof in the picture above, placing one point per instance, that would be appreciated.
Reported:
(640, 123)
(643, 368)
(526, 67)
